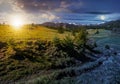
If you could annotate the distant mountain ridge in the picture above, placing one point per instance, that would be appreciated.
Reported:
(112, 24)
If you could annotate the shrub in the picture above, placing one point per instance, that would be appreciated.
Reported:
(68, 42)
(61, 30)
(97, 32)
(2, 45)
(57, 42)
(107, 47)
(9, 52)
(81, 37)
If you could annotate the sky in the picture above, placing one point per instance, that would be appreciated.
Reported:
(68, 11)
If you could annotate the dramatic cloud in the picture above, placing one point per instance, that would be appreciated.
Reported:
(61, 10)
(75, 6)
(49, 5)
(37, 5)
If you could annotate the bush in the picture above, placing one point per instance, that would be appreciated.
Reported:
(107, 47)
(68, 42)
(97, 32)
(81, 37)
(57, 42)
(2, 45)
(61, 30)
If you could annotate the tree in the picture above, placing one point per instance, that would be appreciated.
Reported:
(81, 37)
(60, 30)
(97, 31)
(107, 47)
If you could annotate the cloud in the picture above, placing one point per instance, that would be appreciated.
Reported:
(5, 6)
(51, 10)
(99, 12)
(50, 17)
(0, 2)
(48, 5)
(41, 17)
(75, 6)
(37, 5)
(64, 4)
(3, 17)
(59, 10)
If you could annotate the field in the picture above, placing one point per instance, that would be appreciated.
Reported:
(29, 33)
(27, 52)
(41, 55)
(105, 37)
(23, 51)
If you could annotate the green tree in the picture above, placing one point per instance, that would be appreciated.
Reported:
(81, 37)
(61, 30)
(107, 47)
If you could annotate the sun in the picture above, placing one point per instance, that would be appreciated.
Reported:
(17, 21)
(102, 17)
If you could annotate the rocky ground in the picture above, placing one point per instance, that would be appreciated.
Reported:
(108, 72)
(105, 70)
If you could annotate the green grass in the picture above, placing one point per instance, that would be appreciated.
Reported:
(23, 53)
(29, 52)
(102, 33)
(28, 33)
(105, 37)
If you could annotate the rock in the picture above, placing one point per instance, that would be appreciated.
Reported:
(107, 73)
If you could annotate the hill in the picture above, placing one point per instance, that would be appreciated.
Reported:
(112, 24)
(30, 55)
(31, 51)
(29, 33)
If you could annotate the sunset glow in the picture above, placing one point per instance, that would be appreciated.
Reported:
(17, 21)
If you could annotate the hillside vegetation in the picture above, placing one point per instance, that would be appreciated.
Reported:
(25, 59)
(29, 33)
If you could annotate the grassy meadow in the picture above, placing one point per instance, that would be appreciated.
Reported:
(37, 51)
(41, 55)
(105, 37)
(29, 33)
